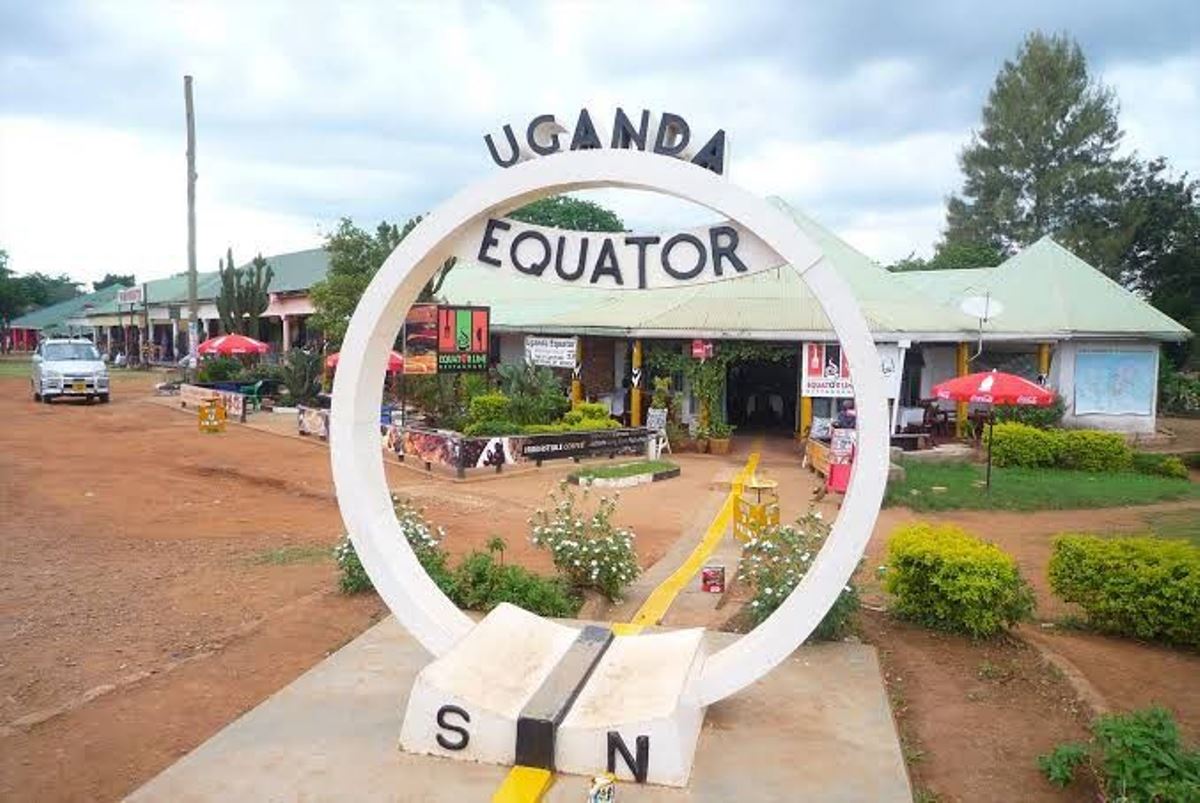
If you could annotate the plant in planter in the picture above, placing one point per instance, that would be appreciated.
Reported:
(720, 434)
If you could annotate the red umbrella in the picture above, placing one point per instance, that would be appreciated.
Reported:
(229, 345)
(993, 387)
(395, 361)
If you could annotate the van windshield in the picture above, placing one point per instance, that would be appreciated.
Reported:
(70, 351)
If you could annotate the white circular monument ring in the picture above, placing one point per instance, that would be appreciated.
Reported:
(358, 469)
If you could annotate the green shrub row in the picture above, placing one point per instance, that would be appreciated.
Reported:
(944, 578)
(493, 415)
(1017, 444)
(1148, 588)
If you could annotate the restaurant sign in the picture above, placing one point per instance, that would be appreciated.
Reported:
(463, 339)
(827, 371)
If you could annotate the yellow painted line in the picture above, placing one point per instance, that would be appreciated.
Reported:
(656, 605)
(528, 784)
(523, 785)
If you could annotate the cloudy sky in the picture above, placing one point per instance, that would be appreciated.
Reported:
(309, 111)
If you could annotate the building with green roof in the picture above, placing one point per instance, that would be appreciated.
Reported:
(1051, 317)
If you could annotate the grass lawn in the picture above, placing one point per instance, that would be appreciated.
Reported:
(624, 469)
(15, 367)
(1181, 524)
(1029, 489)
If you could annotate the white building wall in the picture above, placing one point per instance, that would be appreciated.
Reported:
(939, 366)
(1062, 379)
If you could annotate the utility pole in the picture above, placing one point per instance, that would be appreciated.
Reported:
(193, 311)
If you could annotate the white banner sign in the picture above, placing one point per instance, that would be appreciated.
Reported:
(826, 372)
(617, 260)
(129, 295)
(552, 352)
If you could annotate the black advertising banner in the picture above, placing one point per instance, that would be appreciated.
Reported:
(463, 338)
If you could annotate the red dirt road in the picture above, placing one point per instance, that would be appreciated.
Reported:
(144, 599)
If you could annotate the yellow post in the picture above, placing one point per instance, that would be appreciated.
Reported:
(960, 417)
(805, 416)
(577, 375)
(1044, 360)
(635, 393)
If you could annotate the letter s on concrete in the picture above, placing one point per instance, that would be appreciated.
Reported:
(464, 738)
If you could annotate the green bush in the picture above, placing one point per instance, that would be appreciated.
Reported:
(535, 393)
(218, 369)
(1163, 465)
(1015, 444)
(1092, 450)
(1148, 588)
(586, 425)
(586, 411)
(1133, 758)
(775, 560)
(947, 579)
(478, 583)
(481, 584)
(492, 429)
(1178, 392)
(489, 407)
(1047, 417)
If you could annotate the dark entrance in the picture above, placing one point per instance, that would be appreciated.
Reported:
(761, 394)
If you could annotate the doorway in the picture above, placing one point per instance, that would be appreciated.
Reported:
(761, 395)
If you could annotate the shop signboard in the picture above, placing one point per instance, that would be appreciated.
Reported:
(551, 352)
(702, 349)
(463, 338)
(421, 340)
(130, 295)
(826, 371)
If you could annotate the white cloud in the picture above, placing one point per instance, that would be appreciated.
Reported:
(1160, 109)
(89, 200)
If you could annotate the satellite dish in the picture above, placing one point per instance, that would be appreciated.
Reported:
(982, 307)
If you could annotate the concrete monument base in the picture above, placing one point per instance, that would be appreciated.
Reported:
(816, 728)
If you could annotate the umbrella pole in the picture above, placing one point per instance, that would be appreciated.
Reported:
(991, 433)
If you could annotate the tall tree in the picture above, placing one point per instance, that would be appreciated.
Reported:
(110, 279)
(1160, 235)
(951, 255)
(244, 293)
(565, 212)
(1044, 161)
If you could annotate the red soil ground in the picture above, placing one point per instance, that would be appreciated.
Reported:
(155, 583)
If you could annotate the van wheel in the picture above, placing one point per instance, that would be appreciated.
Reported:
(46, 399)
(104, 398)
(37, 397)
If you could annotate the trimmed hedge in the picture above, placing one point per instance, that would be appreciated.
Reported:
(1091, 450)
(490, 407)
(1015, 444)
(1148, 588)
(946, 579)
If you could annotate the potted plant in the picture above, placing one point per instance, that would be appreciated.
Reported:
(720, 434)
(702, 434)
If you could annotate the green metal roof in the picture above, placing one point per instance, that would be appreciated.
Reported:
(296, 271)
(53, 319)
(1047, 290)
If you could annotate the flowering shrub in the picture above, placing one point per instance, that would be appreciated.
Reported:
(775, 560)
(426, 543)
(589, 550)
(480, 582)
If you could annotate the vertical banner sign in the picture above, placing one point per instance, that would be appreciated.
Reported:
(421, 340)
(827, 371)
(463, 338)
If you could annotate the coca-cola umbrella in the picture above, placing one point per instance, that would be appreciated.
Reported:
(992, 388)
(230, 346)
(395, 361)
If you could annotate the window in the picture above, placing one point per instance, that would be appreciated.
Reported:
(70, 351)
